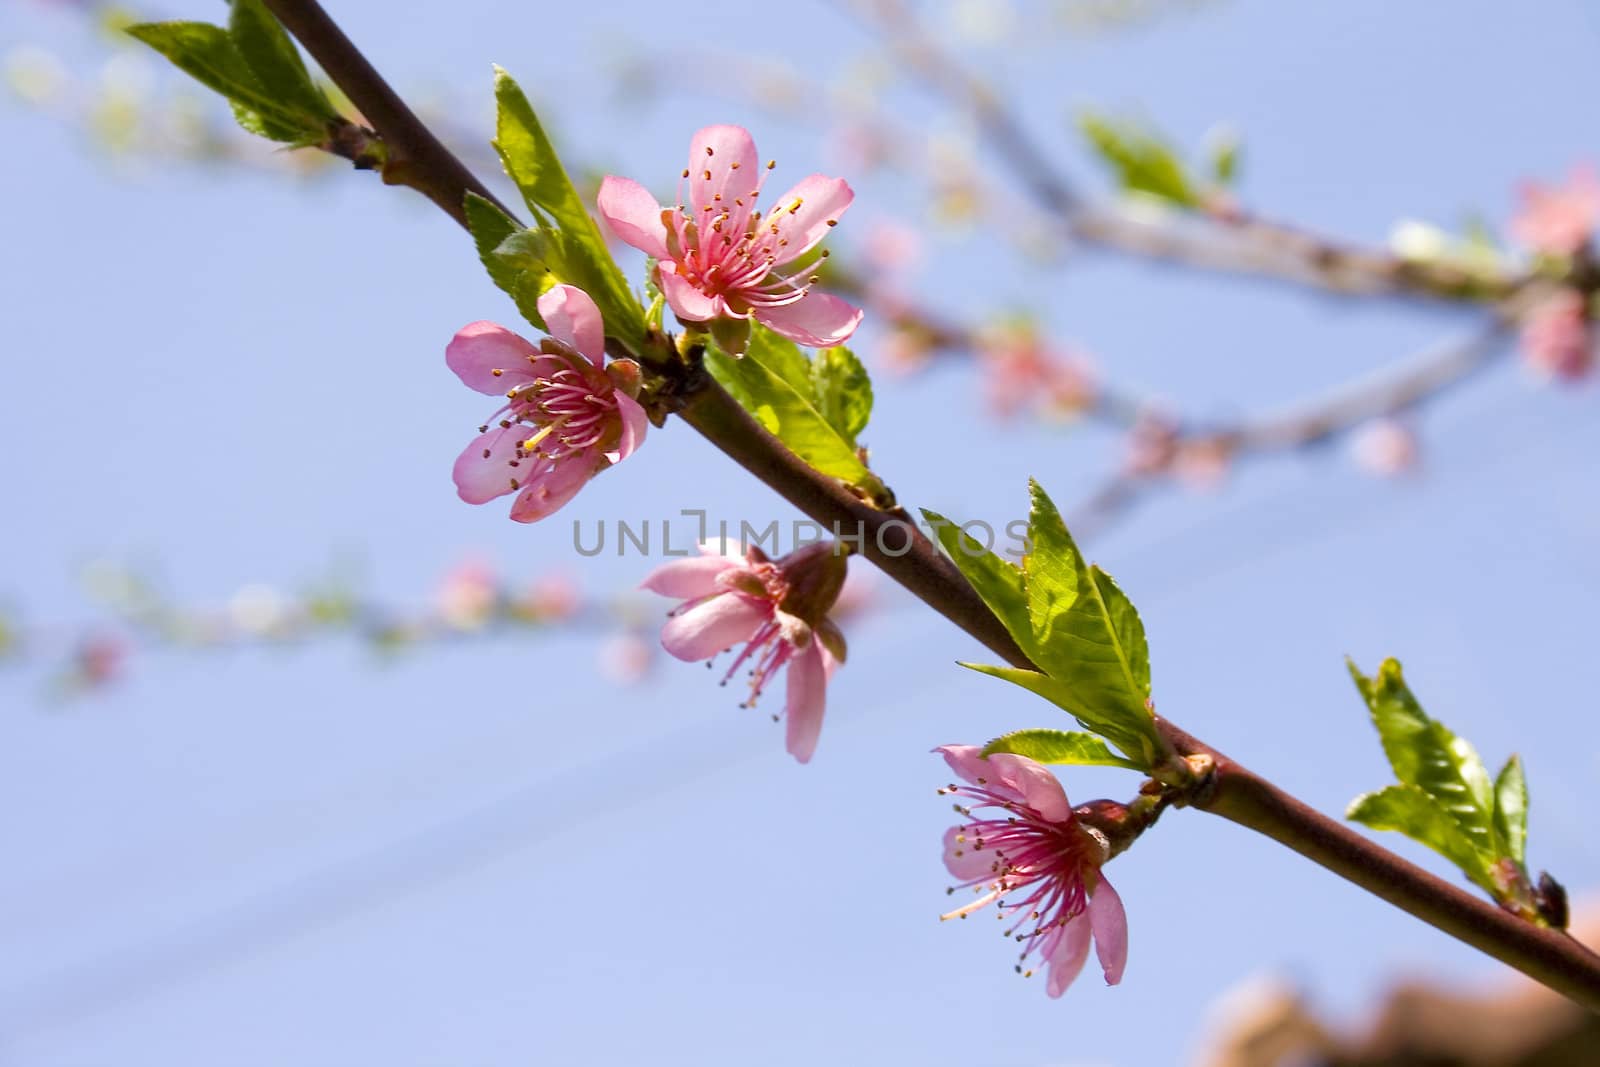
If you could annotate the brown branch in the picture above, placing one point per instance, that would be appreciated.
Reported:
(416, 157)
(1235, 793)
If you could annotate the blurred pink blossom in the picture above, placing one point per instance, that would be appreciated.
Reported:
(718, 256)
(1560, 219)
(1021, 373)
(778, 610)
(1386, 448)
(1558, 339)
(467, 595)
(99, 660)
(551, 597)
(626, 657)
(891, 246)
(1036, 862)
(1203, 462)
(564, 419)
(904, 350)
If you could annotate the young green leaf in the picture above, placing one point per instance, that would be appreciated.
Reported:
(1058, 746)
(1425, 754)
(783, 358)
(275, 61)
(1088, 635)
(1142, 161)
(577, 254)
(1409, 810)
(1134, 737)
(843, 390)
(790, 417)
(209, 55)
(1511, 810)
(998, 583)
(491, 228)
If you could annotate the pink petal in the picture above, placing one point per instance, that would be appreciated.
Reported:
(688, 302)
(1067, 952)
(572, 317)
(551, 487)
(688, 579)
(822, 200)
(966, 762)
(819, 320)
(634, 424)
(965, 862)
(732, 166)
(633, 215)
(479, 478)
(706, 629)
(807, 700)
(1110, 924)
(479, 349)
(1039, 788)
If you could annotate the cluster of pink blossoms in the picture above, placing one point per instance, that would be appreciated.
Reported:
(1036, 862)
(777, 609)
(568, 415)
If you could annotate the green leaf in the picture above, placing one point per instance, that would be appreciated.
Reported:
(1088, 635)
(1128, 628)
(1058, 746)
(491, 228)
(783, 358)
(1136, 740)
(1511, 810)
(567, 246)
(208, 54)
(1412, 812)
(1425, 754)
(276, 63)
(1142, 161)
(843, 390)
(998, 583)
(790, 417)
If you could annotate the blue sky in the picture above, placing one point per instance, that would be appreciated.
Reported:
(492, 854)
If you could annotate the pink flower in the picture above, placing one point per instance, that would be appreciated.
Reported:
(565, 418)
(1559, 220)
(1035, 861)
(1557, 338)
(718, 256)
(777, 609)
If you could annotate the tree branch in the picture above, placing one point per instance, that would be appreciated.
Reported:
(416, 157)
(1234, 243)
(1235, 793)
